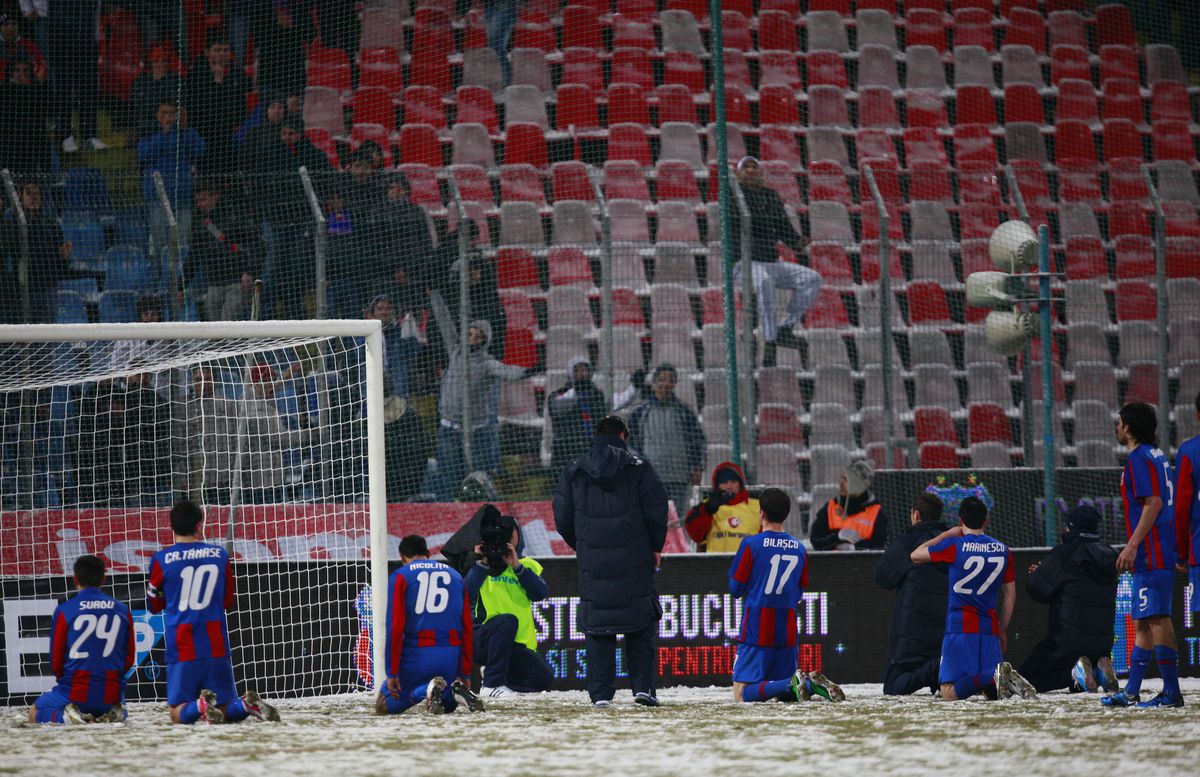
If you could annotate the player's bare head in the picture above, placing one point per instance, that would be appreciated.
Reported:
(186, 518)
(89, 571)
(973, 512)
(1139, 421)
(775, 505)
(928, 507)
(612, 426)
(414, 546)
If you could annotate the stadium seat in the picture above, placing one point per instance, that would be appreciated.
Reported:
(576, 108)
(1164, 64)
(674, 265)
(1114, 26)
(877, 108)
(516, 268)
(582, 66)
(524, 104)
(779, 68)
(826, 31)
(973, 27)
(973, 65)
(938, 455)
(419, 144)
(680, 32)
(1067, 28)
(1022, 102)
(628, 142)
(1069, 62)
(685, 69)
(1135, 257)
(676, 180)
(675, 104)
(581, 28)
(989, 382)
(380, 67)
(1085, 301)
(1181, 256)
(570, 181)
(568, 306)
(632, 33)
(869, 263)
(476, 104)
(1136, 340)
(1118, 62)
(529, 68)
(1122, 100)
(924, 67)
(827, 69)
(777, 31)
(569, 267)
(877, 67)
(1169, 102)
(1023, 140)
(521, 182)
(828, 311)
(974, 105)
(481, 67)
(1095, 453)
(1020, 65)
(1136, 301)
(986, 422)
(525, 143)
(1026, 27)
(925, 27)
(973, 143)
(572, 224)
(1085, 258)
(673, 344)
(1142, 385)
(827, 181)
(926, 109)
(423, 186)
(935, 387)
(929, 346)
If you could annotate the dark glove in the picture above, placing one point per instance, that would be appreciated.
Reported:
(638, 379)
(714, 502)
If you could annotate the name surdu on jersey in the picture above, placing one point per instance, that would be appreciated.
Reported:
(91, 650)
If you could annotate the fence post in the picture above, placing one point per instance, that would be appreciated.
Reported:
(1014, 190)
(1160, 285)
(745, 409)
(320, 243)
(723, 181)
(885, 315)
(464, 320)
(23, 228)
(606, 322)
(164, 202)
(1044, 303)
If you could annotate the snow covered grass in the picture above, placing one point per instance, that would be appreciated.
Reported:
(695, 732)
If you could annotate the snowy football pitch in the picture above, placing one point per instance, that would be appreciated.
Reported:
(695, 732)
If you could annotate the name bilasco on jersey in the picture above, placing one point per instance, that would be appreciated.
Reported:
(195, 585)
(92, 647)
(1145, 475)
(979, 565)
(428, 606)
(769, 572)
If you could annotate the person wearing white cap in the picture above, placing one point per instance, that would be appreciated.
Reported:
(854, 519)
(769, 226)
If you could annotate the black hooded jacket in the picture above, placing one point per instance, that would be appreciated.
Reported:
(919, 614)
(1078, 579)
(612, 509)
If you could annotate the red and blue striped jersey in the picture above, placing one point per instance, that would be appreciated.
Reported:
(428, 606)
(196, 584)
(979, 565)
(1187, 501)
(92, 647)
(769, 573)
(1145, 475)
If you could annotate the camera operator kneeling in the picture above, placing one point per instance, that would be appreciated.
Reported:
(502, 587)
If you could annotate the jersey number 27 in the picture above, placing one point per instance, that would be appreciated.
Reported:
(973, 566)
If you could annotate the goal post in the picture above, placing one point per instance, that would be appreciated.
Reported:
(36, 361)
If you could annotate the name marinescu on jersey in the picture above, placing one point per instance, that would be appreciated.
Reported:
(774, 542)
(983, 547)
(191, 554)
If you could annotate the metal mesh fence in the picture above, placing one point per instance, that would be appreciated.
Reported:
(155, 154)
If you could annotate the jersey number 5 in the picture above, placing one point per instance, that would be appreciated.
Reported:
(789, 566)
(106, 627)
(432, 594)
(973, 566)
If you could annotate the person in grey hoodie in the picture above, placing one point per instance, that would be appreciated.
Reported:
(667, 433)
(486, 371)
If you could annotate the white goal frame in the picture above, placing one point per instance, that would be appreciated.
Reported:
(370, 330)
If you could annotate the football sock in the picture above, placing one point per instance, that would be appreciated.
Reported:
(1139, 660)
(50, 715)
(190, 713)
(236, 710)
(768, 690)
(971, 685)
(1168, 669)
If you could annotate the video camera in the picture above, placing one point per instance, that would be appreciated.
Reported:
(495, 532)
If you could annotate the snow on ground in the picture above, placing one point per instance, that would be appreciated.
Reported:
(695, 732)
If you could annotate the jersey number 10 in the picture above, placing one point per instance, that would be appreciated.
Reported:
(198, 585)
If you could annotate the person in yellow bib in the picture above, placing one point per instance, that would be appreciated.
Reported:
(502, 609)
(854, 519)
(719, 523)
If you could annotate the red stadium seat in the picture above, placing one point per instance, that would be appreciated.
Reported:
(1076, 100)
(381, 67)
(582, 66)
(973, 143)
(924, 27)
(1172, 140)
(676, 180)
(1074, 141)
(986, 422)
(423, 105)
(627, 309)
(569, 267)
(419, 144)
(927, 304)
(1023, 103)
(1118, 62)
(1127, 218)
(581, 28)
(1143, 381)
(521, 183)
(926, 109)
(923, 144)
(1026, 27)
(629, 142)
(1114, 26)
(778, 142)
(631, 33)
(473, 184)
(827, 68)
(938, 455)
(373, 105)
(1181, 256)
(868, 255)
(517, 269)
(1069, 62)
(632, 66)
(1085, 259)
(685, 68)
(675, 104)
(831, 261)
(477, 105)
(736, 30)
(828, 311)
(977, 221)
(1135, 258)
(877, 108)
(525, 143)
(779, 424)
(934, 424)
(1182, 220)
(1136, 301)
(973, 27)
(777, 105)
(627, 103)
(930, 181)
(1126, 182)
(533, 30)
(978, 183)
(1122, 100)
(432, 45)
(320, 137)
(975, 105)
(779, 68)
(570, 181)
(777, 31)
(423, 187)
(1122, 140)
(827, 181)
(625, 180)
(576, 108)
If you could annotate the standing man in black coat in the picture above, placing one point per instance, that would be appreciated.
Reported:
(919, 617)
(612, 509)
(1078, 579)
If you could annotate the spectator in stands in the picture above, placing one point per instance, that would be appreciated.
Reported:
(155, 86)
(407, 247)
(172, 151)
(1078, 580)
(571, 415)
(280, 34)
(13, 45)
(24, 118)
(127, 354)
(269, 438)
(919, 614)
(288, 227)
(147, 436)
(401, 342)
(212, 436)
(729, 515)
(215, 97)
(74, 69)
(49, 254)
(769, 226)
(260, 134)
(667, 433)
(227, 249)
(854, 520)
(338, 22)
(486, 371)
(404, 438)
(499, 16)
(484, 295)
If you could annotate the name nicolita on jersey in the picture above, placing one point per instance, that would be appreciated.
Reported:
(191, 554)
(983, 547)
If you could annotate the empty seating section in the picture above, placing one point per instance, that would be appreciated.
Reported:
(935, 97)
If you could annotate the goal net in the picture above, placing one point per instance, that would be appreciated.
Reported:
(267, 425)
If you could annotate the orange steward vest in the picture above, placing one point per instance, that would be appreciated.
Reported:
(863, 522)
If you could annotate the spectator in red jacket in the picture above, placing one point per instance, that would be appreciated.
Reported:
(13, 45)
